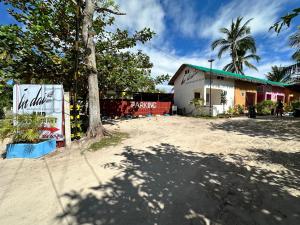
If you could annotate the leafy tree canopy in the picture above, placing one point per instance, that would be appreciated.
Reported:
(40, 49)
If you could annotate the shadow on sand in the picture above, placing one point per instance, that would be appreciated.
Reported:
(282, 129)
(168, 186)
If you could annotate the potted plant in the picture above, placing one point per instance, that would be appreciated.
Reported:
(24, 132)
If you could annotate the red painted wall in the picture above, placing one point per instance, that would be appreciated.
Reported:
(116, 107)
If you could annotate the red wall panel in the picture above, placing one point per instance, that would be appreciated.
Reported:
(116, 107)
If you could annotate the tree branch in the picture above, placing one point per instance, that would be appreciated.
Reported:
(102, 10)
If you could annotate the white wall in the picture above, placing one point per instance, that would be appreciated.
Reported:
(225, 85)
(185, 86)
(196, 81)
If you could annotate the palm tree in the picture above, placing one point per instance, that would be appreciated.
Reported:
(294, 41)
(242, 60)
(237, 42)
(277, 74)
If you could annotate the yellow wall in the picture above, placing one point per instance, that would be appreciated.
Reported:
(240, 90)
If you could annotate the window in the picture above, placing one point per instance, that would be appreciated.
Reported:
(269, 96)
(280, 97)
(197, 95)
(186, 71)
(220, 78)
(207, 98)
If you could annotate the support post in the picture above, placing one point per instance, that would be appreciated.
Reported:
(210, 71)
(67, 119)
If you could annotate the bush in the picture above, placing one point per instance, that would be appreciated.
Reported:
(295, 105)
(2, 113)
(197, 102)
(288, 108)
(237, 110)
(23, 128)
(265, 107)
(230, 111)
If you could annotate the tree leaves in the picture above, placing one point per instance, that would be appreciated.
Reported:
(237, 41)
(277, 74)
(285, 20)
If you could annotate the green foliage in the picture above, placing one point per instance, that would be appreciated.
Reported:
(223, 97)
(115, 139)
(277, 74)
(230, 111)
(288, 107)
(295, 104)
(238, 42)
(23, 128)
(285, 20)
(265, 107)
(197, 102)
(294, 41)
(6, 93)
(238, 110)
(42, 50)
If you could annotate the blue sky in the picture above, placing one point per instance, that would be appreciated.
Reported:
(185, 30)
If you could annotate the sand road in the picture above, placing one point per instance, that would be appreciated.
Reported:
(171, 171)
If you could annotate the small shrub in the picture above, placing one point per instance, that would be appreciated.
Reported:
(265, 107)
(230, 111)
(288, 107)
(197, 102)
(295, 105)
(23, 128)
(238, 110)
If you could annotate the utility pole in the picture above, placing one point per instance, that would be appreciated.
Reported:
(210, 71)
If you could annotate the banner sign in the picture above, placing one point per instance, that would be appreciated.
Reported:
(46, 100)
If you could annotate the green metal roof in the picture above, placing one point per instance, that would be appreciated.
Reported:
(237, 76)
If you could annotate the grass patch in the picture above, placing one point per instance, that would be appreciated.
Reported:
(113, 140)
(206, 117)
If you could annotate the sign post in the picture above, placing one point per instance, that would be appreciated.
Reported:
(46, 100)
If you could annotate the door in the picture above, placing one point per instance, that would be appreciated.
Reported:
(250, 99)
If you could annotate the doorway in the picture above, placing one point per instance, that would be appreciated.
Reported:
(250, 99)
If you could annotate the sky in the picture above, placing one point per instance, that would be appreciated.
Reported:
(185, 30)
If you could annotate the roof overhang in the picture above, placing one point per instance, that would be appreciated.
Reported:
(171, 82)
(226, 74)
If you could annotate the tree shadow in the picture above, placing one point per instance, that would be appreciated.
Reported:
(274, 128)
(168, 186)
(289, 160)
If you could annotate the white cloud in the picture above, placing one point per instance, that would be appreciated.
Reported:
(264, 14)
(194, 23)
(168, 62)
(141, 14)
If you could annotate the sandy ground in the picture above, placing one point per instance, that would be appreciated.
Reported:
(171, 171)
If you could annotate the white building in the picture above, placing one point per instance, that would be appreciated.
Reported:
(192, 82)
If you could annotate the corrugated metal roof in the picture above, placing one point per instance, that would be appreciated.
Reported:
(229, 75)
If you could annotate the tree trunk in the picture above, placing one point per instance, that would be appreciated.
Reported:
(95, 125)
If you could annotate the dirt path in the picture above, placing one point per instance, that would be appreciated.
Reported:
(172, 170)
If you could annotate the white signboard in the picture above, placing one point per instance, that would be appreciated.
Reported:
(42, 99)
